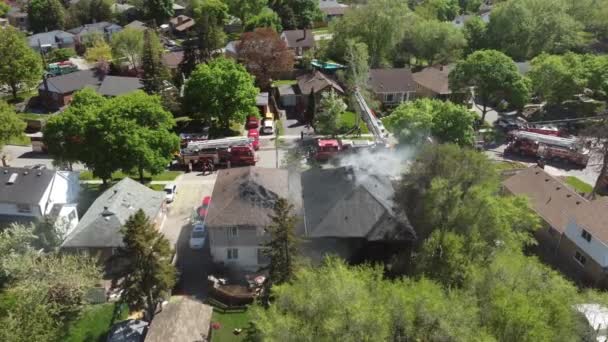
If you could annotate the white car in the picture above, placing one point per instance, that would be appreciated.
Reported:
(170, 191)
(198, 236)
(268, 127)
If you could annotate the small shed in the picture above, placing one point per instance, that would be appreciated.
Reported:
(287, 96)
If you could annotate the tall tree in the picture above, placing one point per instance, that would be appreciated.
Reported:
(149, 275)
(311, 109)
(20, 66)
(210, 16)
(154, 71)
(282, 248)
(190, 59)
(494, 77)
(158, 11)
(433, 42)
(265, 55)
(475, 34)
(88, 11)
(100, 51)
(413, 122)
(4, 8)
(357, 58)
(12, 126)
(557, 78)
(45, 15)
(128, 44)
(221, 91)
(245, 9)
(265, 18)
(328, 118)
(442, 10)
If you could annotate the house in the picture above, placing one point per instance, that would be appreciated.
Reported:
(119, 85)
(261, 101)
(99, 230)
(124, 11)
(46, 41)
(194, 319)
(433, 82)
(299, 41)
(18, 19)
(332, 9)
(181, 24)
(316, 82)
(136, 25)
(574, 230)
(104, 28)
(173, 59)
(339, 213)
(287, 96)
(392, 86)
(178, 9)
(32, 194)
(56, 92)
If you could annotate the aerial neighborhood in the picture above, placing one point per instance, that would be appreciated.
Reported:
(303, 170)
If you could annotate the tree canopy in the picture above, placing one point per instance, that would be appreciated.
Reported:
(46, 15)
(265, 18)
(88, 11)
(245, 9)
(296, 14)
(433, 41)
(128, 44)
(327, 118)
(443, 10)
(282, 246)
(413, 122)
(158, 10)
(220, 91)
(154, 71)
(20, 66)
(210, 16)
(12, 125)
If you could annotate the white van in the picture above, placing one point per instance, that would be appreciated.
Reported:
(170, 192)
(268, 127)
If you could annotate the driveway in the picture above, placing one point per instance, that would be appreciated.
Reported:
(21, 156)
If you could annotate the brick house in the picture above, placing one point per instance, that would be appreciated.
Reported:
(574, 235)
(316, 82)
(392, 86)
(433, 81)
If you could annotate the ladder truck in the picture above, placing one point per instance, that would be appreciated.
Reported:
(234, 151)
(548, 147)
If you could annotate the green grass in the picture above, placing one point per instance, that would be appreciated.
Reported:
(229, 322)
(118, 175)
(321, 30)
(33, 116)
(509, 165)
(22, 96)
(279, 83)
(157, 187)
(94, 323)
(348, 120)
(21, 140)
(579, 185)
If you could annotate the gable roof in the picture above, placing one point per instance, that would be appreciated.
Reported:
(172, 59)
(50, 38)
(183, 319)
(101, 27)
(119, 85)
(71, 82)
(28, 186)
(434, 78)
(136, 25)
(550, 198)
(181, 22)
(337, 203)
(295, 38)
(317, 81)
(391, 80)
(246, 195)
(261, 99)
(335, 10)
(101, 224)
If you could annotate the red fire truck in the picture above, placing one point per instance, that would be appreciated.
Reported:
(235, 151)
(548, 147)
(329, 148)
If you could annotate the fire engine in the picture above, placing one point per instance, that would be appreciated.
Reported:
(224, 152)
(329, 148)
(548, 147)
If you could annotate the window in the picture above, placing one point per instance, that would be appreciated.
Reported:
(72, 215)
(389, 97)
(586, 235)
(233, 232)
(24, 208)
(580, 258)
(232, 253)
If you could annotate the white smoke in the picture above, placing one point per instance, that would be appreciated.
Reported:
(390, 163)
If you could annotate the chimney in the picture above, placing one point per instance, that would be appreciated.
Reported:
(180, 19)
(441, 68)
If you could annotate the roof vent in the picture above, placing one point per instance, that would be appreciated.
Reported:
(39, 174)
(578, 202)
(5, 171)
(546, 179)
(559, 187)
(568, 195)
(106, 213)
(537, 172)
(12, 178)
(25, 172)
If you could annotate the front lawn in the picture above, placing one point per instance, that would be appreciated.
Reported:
(579, 185)
(348, 120)
(21, 140)
(279, 83)
(33, 116)
(119, 175)
(229, 322)
(94, 323)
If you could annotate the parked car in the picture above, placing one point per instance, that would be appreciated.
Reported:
(203, 209)
(170, 192)
(508, 124)
(252, 122)
(268, 127)
(254, 135)
(198, 236)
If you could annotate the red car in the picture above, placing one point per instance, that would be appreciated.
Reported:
(252, 122)
(255, 136)
(202, 210)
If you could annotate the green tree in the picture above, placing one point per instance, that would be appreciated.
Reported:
(327, 119)
(20, 66)
(475, 34)
(282, 247)
(100, 51)
(557, 78)
(128, 44)
(149, 275)
(158, 11)
(514, 28)
(433, 41)
(311, 109)
(12, 125)
(443, 10)
(154, 71)
(357, 58)
(60, 55)
(265, 18)
(45, 15)
(4, 8)
(88, 11)
(221, 91)
(374, 25)
(494, 77)
(413, 122)
(245, 9)
(210, 16)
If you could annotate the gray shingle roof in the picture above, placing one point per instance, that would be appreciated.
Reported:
(118, 85)
(183, 319)
(50, 38)
(337, 203)
(317, 81)
(27, 188)
(68, 83)
(103, 27)
(295, 38)
(101, 225)
(136, 25)
(391, 80)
